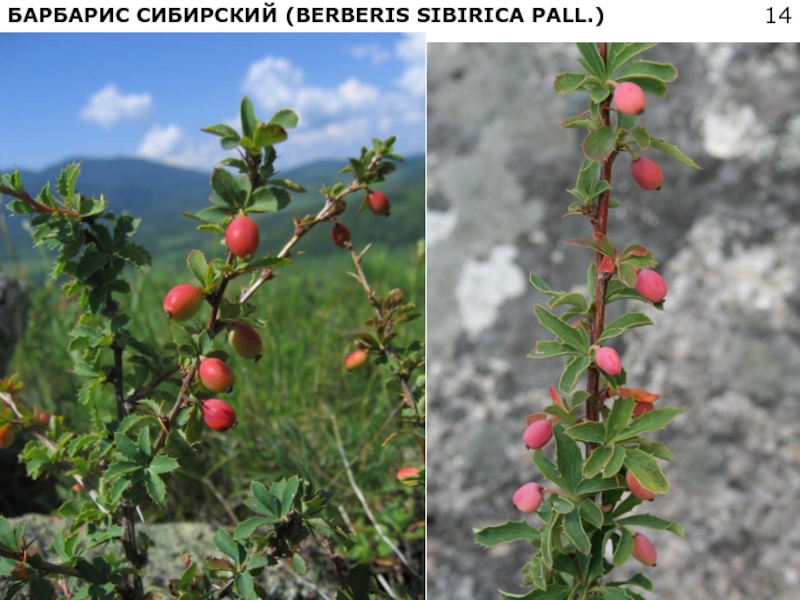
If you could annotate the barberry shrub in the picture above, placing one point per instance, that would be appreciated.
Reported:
(151, 406)
(587, 524)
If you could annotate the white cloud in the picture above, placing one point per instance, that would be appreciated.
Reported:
(411, 51)
(171, 145)
(109, 107)
(336, 120)
(375, 53)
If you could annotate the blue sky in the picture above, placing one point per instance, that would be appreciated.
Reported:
(148, 95)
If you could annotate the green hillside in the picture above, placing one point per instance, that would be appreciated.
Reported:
(158, 193)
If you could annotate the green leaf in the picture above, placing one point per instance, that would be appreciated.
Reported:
(637, 580)
(66, 181)
(269, 134)
(587, 177)
(574, 299)
(510, 531)
(615, 461)
(591, 513)
(247, 527)
(540, 284)
(588, 431)
(288, 184)
(297, 564)
(143, 442)
(618, 54)
(598, 94)
(548, 469)
(573, 529)
(8, 536)
(596, 461)
(592, 61)
(212, 214)
(224, 541)
(569, 335)
(663, 72)
(613, 593)
(599, 144)
(567, 83)
(651, 86)
(163, 464)
(641, 137)
(619, 417)
(182, 339)
(627, 274)
(226, 188)
(572, 372)
(554, 592)
(91, 262)
(625, 322)
(623, 549)
(263, 495)
(551, 348)
(155, 487)
(246, 586)
(653, 522)
(268, 199)
(286, 118)
(248, 117)
(654, 420)
(580, 121)
(128, 448)
(646, 470)
(222, 130)
(673, 152)
(196, 261)
(597, 484)
(562, 505)
(568, 459)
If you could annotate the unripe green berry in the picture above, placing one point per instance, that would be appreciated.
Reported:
(245, 340)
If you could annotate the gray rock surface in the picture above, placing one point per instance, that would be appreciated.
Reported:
(727, 346)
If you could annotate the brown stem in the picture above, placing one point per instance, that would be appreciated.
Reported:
(38, 206)
(45, 567)
(176, 409)
(597, 319)
(384, 325)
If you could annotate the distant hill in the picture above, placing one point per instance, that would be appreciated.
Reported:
(158, 193)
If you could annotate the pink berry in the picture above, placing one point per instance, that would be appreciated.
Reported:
(408, 476)
(218, 414)
(378, 203)
(538, 434)
(651, 286)
(608, 361)
(182, 302)
(216, 375)
(636, 488)
(528, 498)
(357, 359)
(629, 98)
(340, 235)
(647, 173)
(242, 237)
(643, 550)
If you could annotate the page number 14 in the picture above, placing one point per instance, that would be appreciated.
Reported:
(784, 15)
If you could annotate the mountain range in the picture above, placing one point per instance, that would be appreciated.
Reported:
(158, 193)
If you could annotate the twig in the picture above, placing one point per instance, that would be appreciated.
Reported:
(45, 568)
(363, 500)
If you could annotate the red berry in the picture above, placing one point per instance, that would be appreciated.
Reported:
(538, 434)
(630, 99)
(182, 302)
(216, 375)
(242, 237)
(636, 488)
(7, 436)
(647, 173)
(643, 550)
(528, 498)
(608, 361)
(408, 476)
(356, 359)
(245, 340)
(218, 414)
(340, 234)
(651, 286)
(378, 203)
